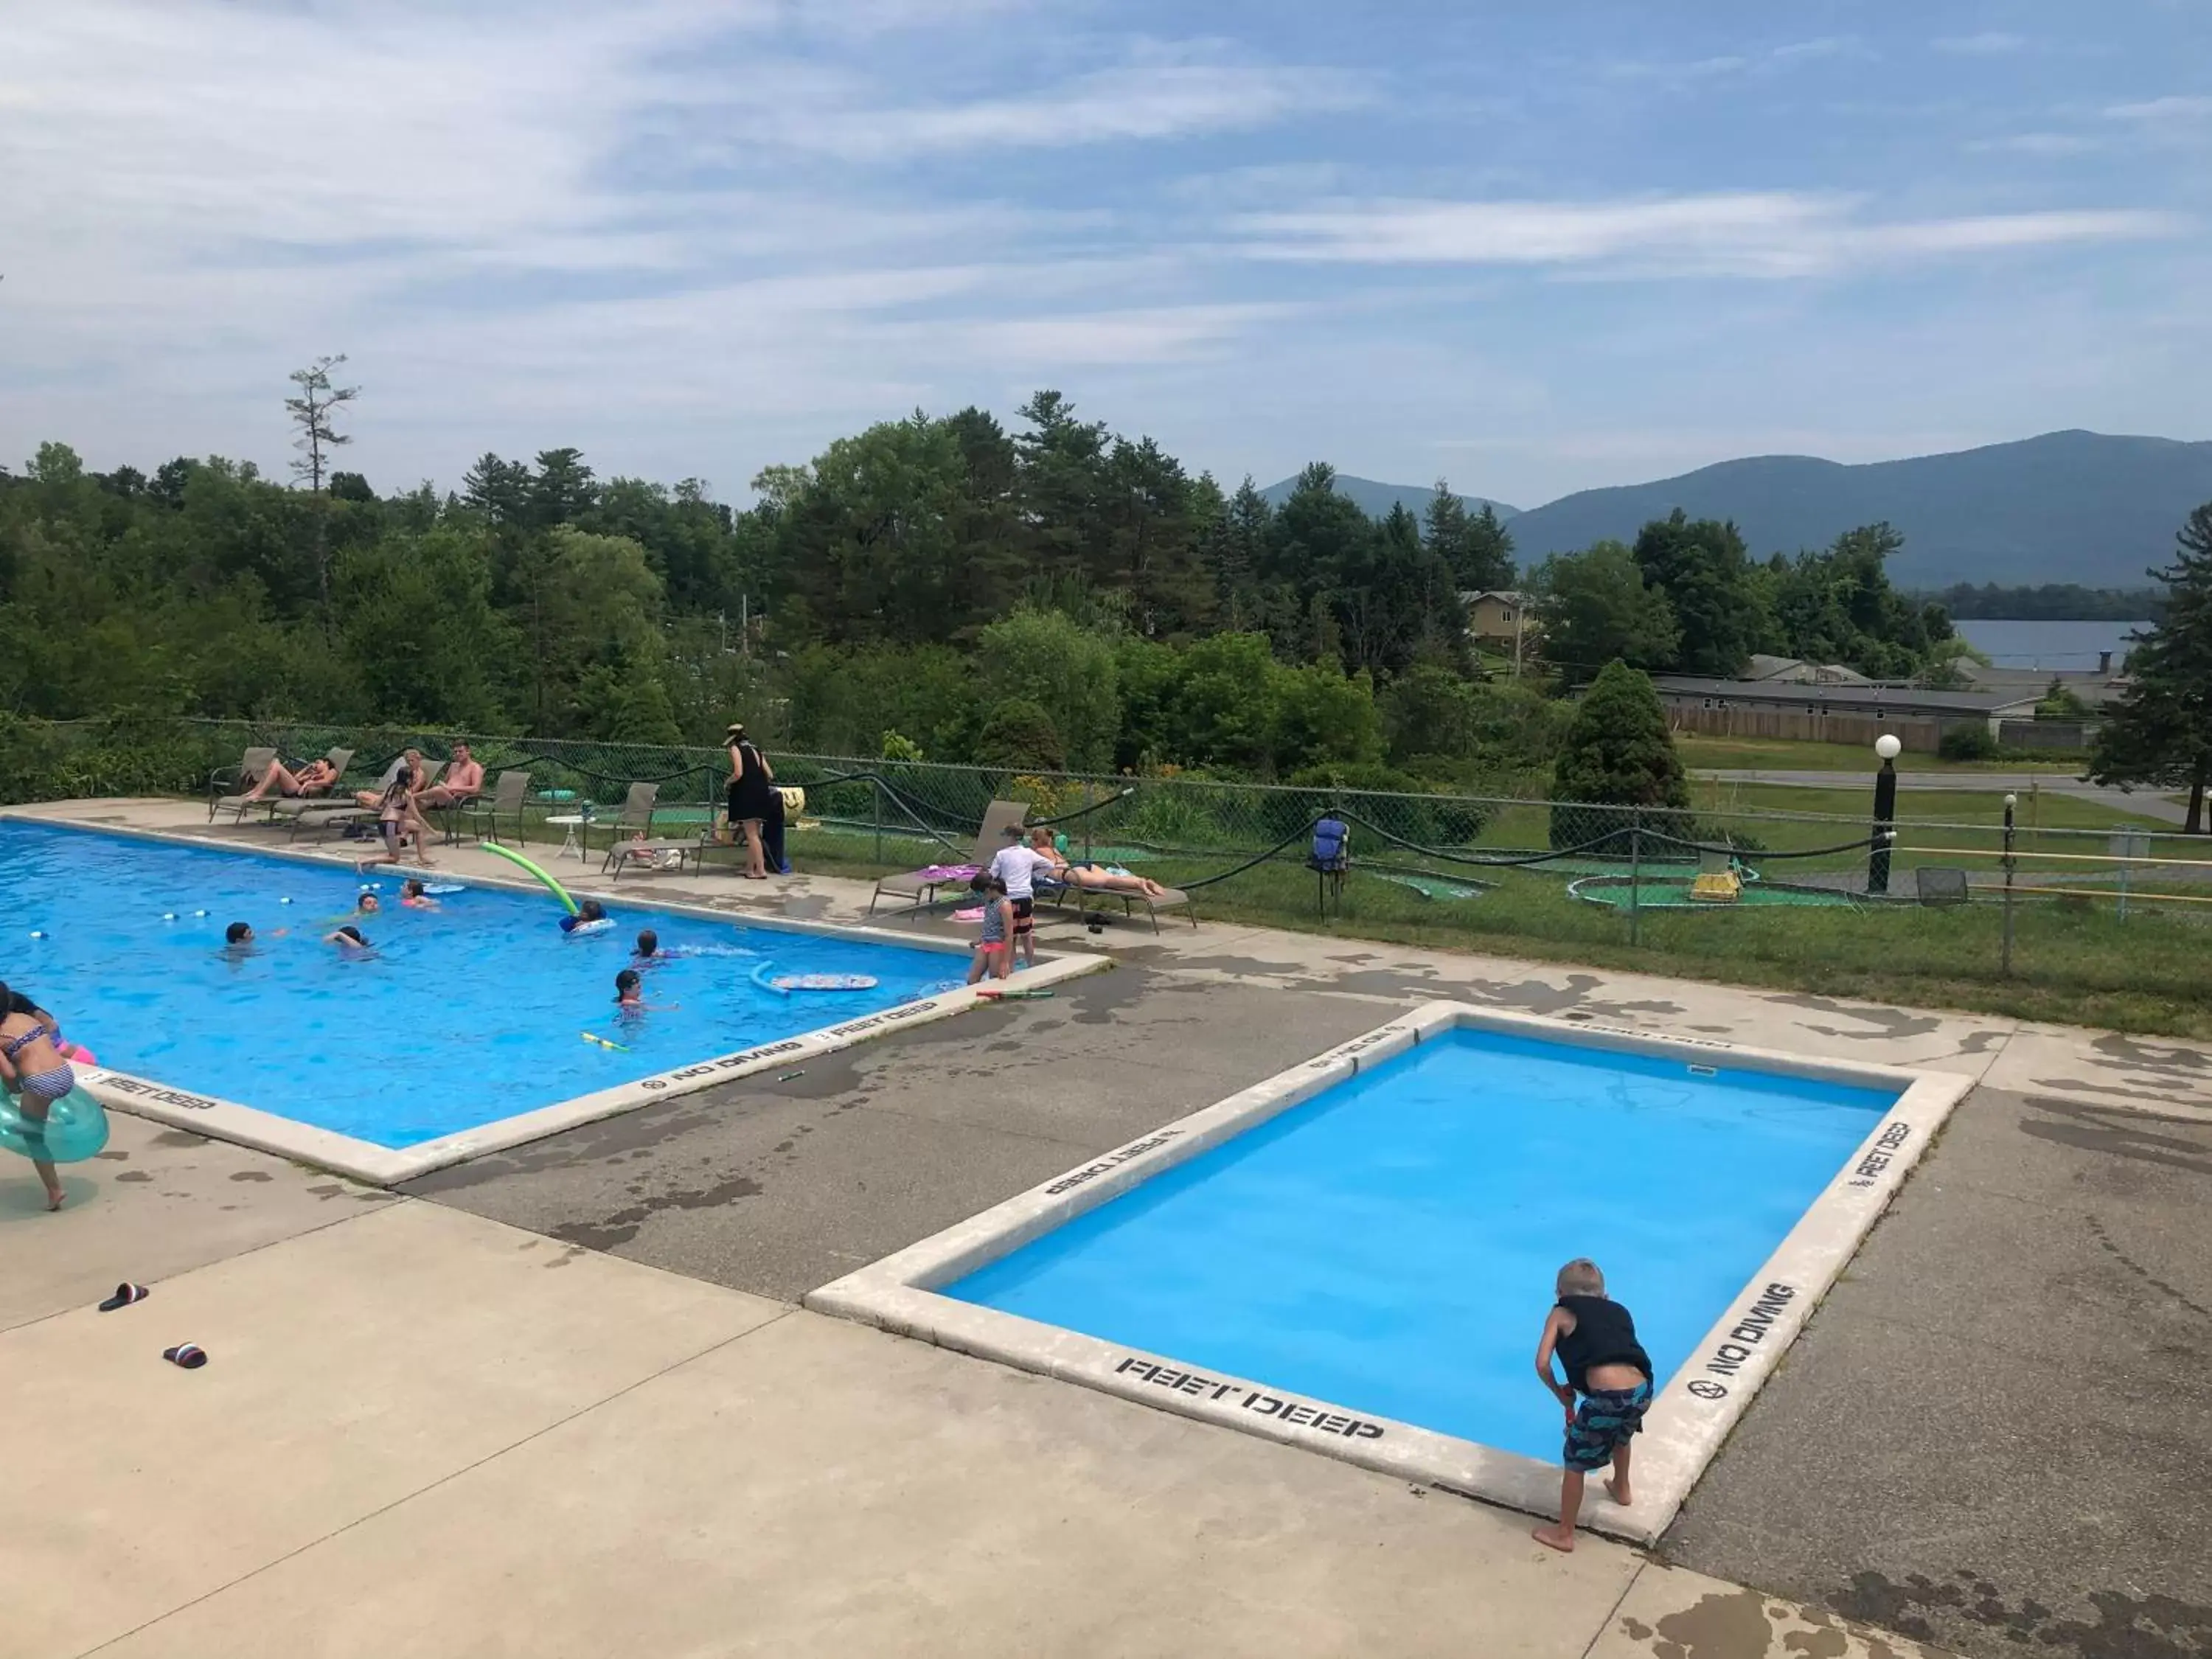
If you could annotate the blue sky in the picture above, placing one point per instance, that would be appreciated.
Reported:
(1532, 249)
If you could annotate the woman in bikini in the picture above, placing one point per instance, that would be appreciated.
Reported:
(396, 817)
(32, 1067)
(1093, 878)
(315, 778)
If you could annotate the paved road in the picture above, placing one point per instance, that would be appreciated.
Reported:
(2141, 804)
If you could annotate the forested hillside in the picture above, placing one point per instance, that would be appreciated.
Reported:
(1055, 594)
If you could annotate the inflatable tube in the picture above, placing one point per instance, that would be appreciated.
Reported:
(76, 1053)
(516, 859)
(75, 1128)
(761, 978)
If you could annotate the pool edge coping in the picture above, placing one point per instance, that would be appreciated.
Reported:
(365, 1161)
(1690, 1419)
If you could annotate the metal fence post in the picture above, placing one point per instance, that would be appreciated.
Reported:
(2010, 863)
(1635, 874)
(876, 802)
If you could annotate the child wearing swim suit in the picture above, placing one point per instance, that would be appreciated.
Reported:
(995, 948)
(32, 1068)
(1594, 1338)
(415, 897)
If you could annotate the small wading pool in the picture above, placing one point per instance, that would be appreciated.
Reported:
(1359, 1255)
(464, 1019)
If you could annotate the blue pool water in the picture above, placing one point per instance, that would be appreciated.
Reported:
(465, 1015)
(1390, 1245)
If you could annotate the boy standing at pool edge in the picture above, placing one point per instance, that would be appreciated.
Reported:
(1595, 1340)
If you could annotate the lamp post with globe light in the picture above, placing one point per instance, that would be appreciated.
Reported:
(1885, 813)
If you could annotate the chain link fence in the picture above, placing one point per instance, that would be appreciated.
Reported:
(2105, 925)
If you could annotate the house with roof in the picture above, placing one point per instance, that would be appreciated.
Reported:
(1498, 616)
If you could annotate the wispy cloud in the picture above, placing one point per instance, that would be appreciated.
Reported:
(2164, 113)
(1755, 234)
(1162, 94)
(1687, 72)
(1990, 43)
(2036, 143)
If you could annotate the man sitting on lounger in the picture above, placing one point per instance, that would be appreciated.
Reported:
(315, 778)
(462, 783)
(1093, 878)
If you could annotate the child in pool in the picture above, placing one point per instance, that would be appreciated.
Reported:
(994, 948)
(1594, 1338)
(591, 915)
(647, 952)
(629, 996)
(412, 895)
(351, 942)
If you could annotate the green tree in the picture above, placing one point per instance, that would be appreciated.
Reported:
(2159, 735)
(1018, 733)
(1476, 546)
(1618, 752)
(1043, 656)
(1702, 569)
(1595, 606)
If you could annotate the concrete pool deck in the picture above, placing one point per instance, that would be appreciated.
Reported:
(1987, 1435)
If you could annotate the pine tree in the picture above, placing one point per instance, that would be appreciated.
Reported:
(1618, 752)
(2161, 734)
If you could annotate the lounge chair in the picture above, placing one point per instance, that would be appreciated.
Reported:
(290, 807)
(227, 789)
(921, 886)
(636, 816)
(510, 793)
(1092, 903)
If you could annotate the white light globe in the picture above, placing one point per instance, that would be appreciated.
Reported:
(1887, 746)
(2012, 800)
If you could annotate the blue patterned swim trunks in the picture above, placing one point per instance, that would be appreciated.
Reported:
(1605, 1418)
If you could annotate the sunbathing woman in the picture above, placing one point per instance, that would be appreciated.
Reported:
(315, 778)
(1093, 878)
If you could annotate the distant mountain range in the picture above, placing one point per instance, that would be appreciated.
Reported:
(1375, 500)
(2068, 507)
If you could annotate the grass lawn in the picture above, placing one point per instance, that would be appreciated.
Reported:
(2074, 960)
(1780, 755)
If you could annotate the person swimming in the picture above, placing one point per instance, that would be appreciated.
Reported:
(350, 941)
(414, 895)
(629, 996)
(591, 916)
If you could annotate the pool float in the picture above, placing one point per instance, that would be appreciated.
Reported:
(975, 915)
(593, 1036)
(597, 925)
(440, 888)
(783, 984)
(76, 1053)
(75, 1128)
(516, 859)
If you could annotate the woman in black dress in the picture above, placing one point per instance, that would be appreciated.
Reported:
(750, 777)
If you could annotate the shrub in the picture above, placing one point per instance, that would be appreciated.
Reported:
(1019, 734)
(1618, 752)
(1967, 743)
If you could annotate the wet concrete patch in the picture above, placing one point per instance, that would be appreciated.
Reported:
(621, 1226)
(2121, 1132)
(1879, 1024)
(2113, 1625)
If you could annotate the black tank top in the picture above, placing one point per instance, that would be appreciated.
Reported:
(1604, 1334)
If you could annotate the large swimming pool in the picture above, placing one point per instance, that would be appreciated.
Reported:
(1388, 1246)
(462, 1016)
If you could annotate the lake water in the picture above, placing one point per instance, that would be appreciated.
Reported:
(2053, 645)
